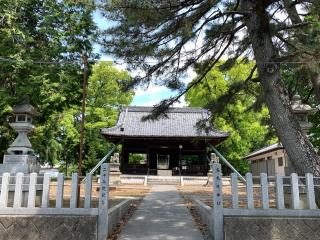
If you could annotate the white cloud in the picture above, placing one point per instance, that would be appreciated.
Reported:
(181, 103)
(151, 90)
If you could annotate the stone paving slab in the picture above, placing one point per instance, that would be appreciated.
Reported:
(161, 216)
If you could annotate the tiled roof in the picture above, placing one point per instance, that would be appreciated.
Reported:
(264, 150)
(180, 122)
(25, 108)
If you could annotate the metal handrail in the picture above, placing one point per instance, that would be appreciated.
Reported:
(227, 163)
(102, 161)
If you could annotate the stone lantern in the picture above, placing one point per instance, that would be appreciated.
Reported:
(21, 157)
(302, 111)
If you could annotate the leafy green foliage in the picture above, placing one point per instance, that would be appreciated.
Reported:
(247, 127)
(41, 43)
(136, 158)
(57, 141)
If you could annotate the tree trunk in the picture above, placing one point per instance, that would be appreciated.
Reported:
(299, 149)
(292, 11)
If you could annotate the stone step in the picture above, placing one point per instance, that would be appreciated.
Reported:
(166, 180)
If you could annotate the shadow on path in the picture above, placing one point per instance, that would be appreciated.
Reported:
(162, 215)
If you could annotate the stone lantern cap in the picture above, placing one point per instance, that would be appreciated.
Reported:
(25, 108)
(299, 107)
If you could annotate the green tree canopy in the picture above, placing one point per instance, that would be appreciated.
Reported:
(247, 126)
(166, 38)
(41, 43)
(57, 140)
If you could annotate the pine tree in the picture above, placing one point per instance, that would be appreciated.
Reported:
(165, 38)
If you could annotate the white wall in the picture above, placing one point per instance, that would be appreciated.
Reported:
(270, 166)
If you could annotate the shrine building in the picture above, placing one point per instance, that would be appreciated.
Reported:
(171, 145)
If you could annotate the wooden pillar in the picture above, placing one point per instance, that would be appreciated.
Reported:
(148, 156)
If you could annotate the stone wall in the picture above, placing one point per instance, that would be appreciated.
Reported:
(204, 212)
(57, 227)
(117, 212)
(263, 227)
(48, 227)
(271, 228)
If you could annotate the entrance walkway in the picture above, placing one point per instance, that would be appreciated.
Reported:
(161, 216)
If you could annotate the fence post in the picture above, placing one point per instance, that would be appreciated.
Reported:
(310, 191)
(279, 192)
(60, 188)
(249, 187)
(103, 202)
(234, 190)
(32, 190)
(74, 191)
(295, 199)
(4, 190)
(88, 191)
(217, 210)
(17, 200)
(264, 190)
(145, 181)
(45, 190)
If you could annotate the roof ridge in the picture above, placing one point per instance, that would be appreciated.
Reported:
(277, 144)
(171, 109)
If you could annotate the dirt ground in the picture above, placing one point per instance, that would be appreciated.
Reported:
(116, 194)
(205, 194)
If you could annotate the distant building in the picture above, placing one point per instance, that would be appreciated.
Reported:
(164, 146)
(271, 160)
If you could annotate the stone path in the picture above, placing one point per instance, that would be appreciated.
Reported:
(161, 216)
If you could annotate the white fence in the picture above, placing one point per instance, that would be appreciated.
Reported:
(19, 196)
(151, 179)
(278, 190)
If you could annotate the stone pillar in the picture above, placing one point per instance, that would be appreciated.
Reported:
(115, 170)
(213, 159)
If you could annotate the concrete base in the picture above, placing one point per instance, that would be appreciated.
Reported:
(274, 228)
(48, 227)
(284, 226)
(114, 178)
(164, 172)
(19, 163)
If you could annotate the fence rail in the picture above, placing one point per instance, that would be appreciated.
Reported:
(17, 188)
(35, 194)
(278, 190)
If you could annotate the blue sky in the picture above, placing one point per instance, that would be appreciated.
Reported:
(143, 97)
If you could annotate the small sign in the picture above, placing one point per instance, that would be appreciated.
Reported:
(104, 184)
(217, 184)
